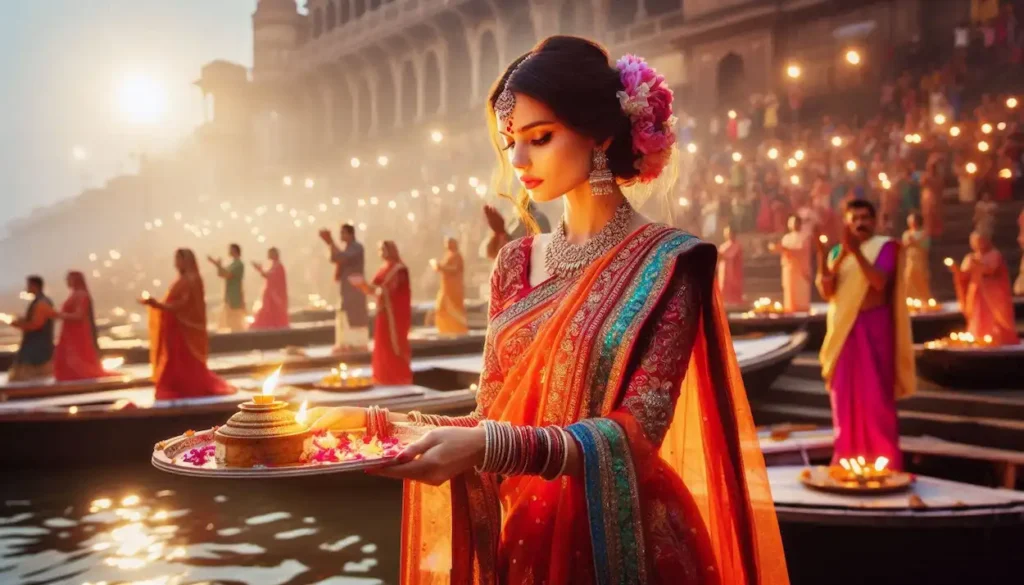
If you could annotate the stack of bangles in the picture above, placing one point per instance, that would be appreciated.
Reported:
(524, 450)
(437, 420)
(377, 422)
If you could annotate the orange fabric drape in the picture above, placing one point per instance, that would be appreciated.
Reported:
(187, 297)
(709, 469)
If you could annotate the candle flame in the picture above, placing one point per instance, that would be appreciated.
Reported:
(954, 336)
(73, 410)
(932, 303)
(880, 463)
(6, 318)
(145, 295)
(823, 239)
(112, 363)
(988, 339)
(271, 382)
(845, 464)
(300, 416)
(856, 467)
(948, 261)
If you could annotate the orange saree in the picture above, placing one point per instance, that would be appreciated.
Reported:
(179, 344)
(634, 359)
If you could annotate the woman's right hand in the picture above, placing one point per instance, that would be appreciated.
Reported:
(337, 418)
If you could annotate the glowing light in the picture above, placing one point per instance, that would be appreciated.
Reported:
(987, 339)
(287, 180)
(95, 273)
(436, 136)
(156, 282)
(158, 222)
(362, 227)
(691, 148)
(971, 168)
(773, 153)
(382, 160)
(293, 212)
(1011, 102)
(322, 207)
(473, 182)
(392, 204)
(271, 383)
(361, 203)
(279, 207)
(940, 119)
(112, 363)
(177, 216)
(983, 146)
(948, 261)
(6, 318)
(410, 216)
(481, 190)
(883, 177)
(79, 153)
(837, 141)
(732, 114)
(881, 463)
(355, 163)
(415, 194)
(794, 71)
(435, 189)
(301, 415)
(145, 295)
(131, 500)
(823, 239)
(795, 179)
(954, 131)
(374, 201)
(450, 187)
(851, 165)
(853, 57)
(1006, 174)
(336, 200)
(310, 183)
(141, 99)
(92, 257)
(791, 163)
(986, 128)
(1001, 126)
(737, 157)
(148, 225)
(799, 155)
(684, 202)
(719, 179)
(886, 185)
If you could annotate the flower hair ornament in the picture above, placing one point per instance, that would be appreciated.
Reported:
(648, 102)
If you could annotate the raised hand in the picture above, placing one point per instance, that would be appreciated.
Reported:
(494, 219)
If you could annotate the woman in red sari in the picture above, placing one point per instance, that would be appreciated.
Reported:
(178, 341)
(392, 357)
(77, 355)
(273, 310)
(612, 441)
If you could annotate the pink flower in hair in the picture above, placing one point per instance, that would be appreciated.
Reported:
(648, 103)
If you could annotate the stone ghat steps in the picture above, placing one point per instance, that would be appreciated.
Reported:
(985, 420)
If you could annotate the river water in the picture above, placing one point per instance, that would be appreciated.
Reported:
(136, 525)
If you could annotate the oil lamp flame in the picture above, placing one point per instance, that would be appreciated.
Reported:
(4, 317)
(948, 261)
(300, 416)
(845, 464)
(988, 339)
(271, 382)
(823, 239)
(881, 463)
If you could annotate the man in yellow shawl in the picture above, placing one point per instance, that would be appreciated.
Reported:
(867, 357)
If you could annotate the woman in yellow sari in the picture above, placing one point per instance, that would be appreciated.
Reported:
(916, 273)
(450, 309)
(612, 441)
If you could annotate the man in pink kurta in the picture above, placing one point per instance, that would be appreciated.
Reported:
(983, 289)
(795, 250)
(730, 269)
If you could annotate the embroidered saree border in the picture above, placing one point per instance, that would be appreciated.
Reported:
(613, 504)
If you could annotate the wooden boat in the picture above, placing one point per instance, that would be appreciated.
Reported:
(119, 424)
(978, 368)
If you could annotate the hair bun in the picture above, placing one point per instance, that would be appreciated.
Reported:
(647, 101)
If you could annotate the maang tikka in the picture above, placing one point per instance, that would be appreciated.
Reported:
(506, 102)
(602, 181)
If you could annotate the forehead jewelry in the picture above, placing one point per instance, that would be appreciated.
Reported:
(506, 102)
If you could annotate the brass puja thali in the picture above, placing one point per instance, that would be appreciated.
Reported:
(856, 478)
(341, 379)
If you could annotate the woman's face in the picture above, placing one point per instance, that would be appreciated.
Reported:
(549, 159)
(69, 280)
(384, 252)
(179, 262)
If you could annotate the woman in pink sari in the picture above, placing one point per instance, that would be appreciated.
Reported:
(612, 441)
(77, 355)
(983, 288)
(730, 269)
(392, 356)
(273, 310)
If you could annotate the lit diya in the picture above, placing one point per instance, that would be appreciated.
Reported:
(961, 340)
(764, 307)
(919, 306)
(342, 380)
(855, 475)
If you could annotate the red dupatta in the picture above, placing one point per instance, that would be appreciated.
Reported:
(709, 467)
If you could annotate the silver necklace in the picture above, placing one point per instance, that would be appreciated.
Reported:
(565, 259)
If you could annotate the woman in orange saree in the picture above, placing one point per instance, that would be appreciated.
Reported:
(450, 307)
(77, 355)
(178, 340)
(392, 356)
(612, 441)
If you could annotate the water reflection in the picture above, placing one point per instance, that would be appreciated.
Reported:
(92, 531)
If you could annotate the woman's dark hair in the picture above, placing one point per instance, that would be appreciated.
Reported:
(575, 78)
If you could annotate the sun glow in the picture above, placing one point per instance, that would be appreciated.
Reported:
(141, 99)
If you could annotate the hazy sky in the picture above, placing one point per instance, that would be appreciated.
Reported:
(60, 64)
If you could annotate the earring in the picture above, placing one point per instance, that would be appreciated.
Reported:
(602, 182)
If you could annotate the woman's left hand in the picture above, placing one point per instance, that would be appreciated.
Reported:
(438, 456)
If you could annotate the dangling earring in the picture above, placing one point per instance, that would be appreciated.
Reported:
(602, 182)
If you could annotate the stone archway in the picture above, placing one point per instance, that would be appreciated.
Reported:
(730, 80)
(431, 84)
(490, 64)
